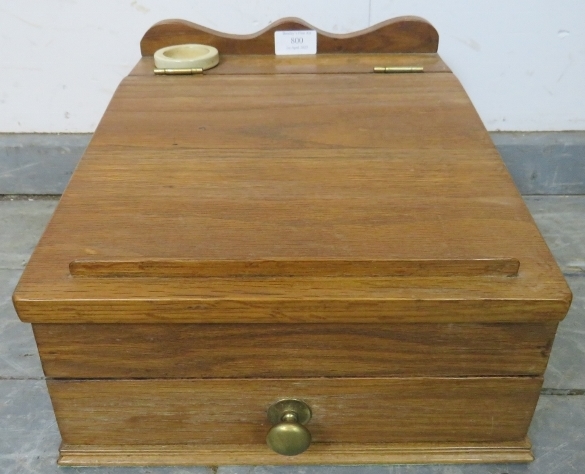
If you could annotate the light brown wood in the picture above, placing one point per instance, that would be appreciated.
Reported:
(320, 64)
(354, 411)
(354, 167)
(399, 35)
(411, 453)
(258, 232)
(326, 113)
(176, 267)
(316, 302)
(292, 350)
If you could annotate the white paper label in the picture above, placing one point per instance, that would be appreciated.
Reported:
(295, 42)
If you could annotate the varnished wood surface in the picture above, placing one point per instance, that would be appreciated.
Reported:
(292, 350)
(169, 268)
(311, 301)
(297, 167)
(319, 64)
(399, 35)
(233, 411)
(315, 161)
(408, 453)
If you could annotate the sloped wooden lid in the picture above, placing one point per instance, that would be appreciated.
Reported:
(291, 198)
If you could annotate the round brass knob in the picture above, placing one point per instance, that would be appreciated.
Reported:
(288, 436)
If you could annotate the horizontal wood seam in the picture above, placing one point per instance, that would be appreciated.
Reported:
(268, 379)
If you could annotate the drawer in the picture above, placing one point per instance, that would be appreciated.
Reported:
(214, 414)
(292, 350)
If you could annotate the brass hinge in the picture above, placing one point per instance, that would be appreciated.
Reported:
(178, 72)
(398, 69)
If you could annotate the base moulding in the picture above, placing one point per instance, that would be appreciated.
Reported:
(318, 453)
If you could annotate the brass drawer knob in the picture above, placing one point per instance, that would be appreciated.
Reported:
(289, 436)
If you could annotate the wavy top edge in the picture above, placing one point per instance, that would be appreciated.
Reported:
(406, 34)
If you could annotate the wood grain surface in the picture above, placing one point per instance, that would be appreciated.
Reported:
(292, 167)
(399, 35)
(322, 453)
(339, 63)
(292, 350)
(175, 267)
(233, 411)
(293, 229)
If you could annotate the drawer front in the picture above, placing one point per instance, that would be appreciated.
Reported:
(234, 411)
(292, 350)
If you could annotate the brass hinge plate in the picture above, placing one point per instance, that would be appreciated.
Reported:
(398, 69)
(178, 72)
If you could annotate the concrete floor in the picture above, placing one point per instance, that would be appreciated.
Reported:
(29, 438)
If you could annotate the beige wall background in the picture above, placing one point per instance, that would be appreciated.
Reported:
(522, 62)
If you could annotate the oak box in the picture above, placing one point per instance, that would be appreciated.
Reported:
(301, 229)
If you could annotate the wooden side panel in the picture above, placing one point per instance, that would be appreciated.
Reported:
(293, 350)
(214, 412)
(399, 35)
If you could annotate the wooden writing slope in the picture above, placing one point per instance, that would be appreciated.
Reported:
(293, 228)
